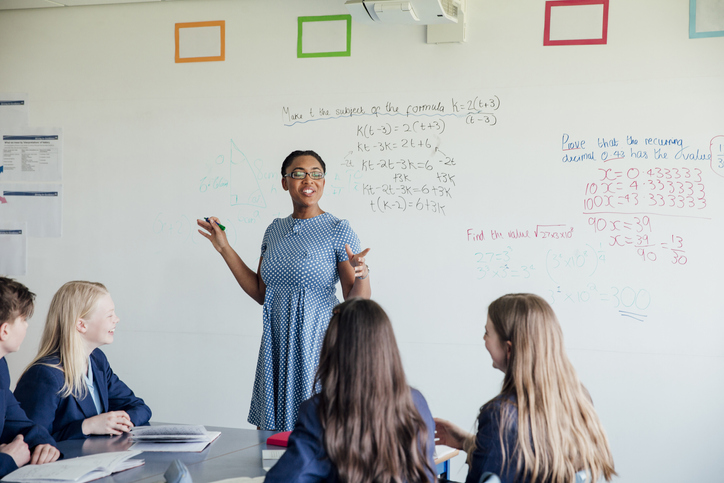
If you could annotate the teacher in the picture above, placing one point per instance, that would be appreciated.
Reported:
(303, 256)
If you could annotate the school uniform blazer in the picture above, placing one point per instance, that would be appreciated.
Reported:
(14, 422)
(488, 453)
(306, 461)
(38, 392)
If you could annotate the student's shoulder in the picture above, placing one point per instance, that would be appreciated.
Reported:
(308, 408)
(308, 419)
(502, 401)
(501, 406)
(47, 365)
(45, 372)
(417, 396)
(421, 404)
(99, 357)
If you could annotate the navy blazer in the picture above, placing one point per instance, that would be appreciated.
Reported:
(14, 422)
(306, 461)
(38, 392)
(488, 454)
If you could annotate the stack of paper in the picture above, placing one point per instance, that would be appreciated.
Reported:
(172, 438)
(269, 457)
(76, 470)
(244, 479)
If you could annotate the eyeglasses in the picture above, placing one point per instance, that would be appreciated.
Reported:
(316, 175)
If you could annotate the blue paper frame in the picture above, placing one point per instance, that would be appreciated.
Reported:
(693, 34)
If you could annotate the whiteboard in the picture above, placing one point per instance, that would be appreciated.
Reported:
(471, 170)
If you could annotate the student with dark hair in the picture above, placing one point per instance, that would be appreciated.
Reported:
(365, 424)
(21, 440)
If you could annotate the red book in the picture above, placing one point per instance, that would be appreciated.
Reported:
(279, 439)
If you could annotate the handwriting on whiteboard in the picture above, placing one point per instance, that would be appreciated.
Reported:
(398, 158)
(474, 109)
(635, 180)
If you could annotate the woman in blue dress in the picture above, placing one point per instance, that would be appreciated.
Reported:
(303, 256)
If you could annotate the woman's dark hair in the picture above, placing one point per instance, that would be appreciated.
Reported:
(372, 429)
(15, 300)
(295, 154)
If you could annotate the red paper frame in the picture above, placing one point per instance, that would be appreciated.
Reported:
(567, 3)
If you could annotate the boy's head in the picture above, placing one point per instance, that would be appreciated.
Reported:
(16, 306)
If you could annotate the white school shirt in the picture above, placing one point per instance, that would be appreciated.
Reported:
(91, 389)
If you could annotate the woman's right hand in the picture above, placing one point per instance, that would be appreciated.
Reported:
(113, 422)
(213, 233)
(18, 450)
(451, 435)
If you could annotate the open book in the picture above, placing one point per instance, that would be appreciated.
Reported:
(77, 470)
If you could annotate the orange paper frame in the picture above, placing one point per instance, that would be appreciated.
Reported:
(217, 23)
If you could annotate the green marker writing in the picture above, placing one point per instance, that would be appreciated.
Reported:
(220, 225)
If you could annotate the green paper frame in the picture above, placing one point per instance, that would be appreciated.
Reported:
(324, 18)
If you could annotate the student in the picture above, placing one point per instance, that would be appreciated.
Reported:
(365, 424)
(542, 426)
(69, 388)
(21, 440)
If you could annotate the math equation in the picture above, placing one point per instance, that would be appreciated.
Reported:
(397, 159)
(637, 182)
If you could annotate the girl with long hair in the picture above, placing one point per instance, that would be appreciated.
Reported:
(69, 388)
(542, 427)
(365, 424)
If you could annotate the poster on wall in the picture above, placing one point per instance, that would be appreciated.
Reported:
(38, 204)
(13, 111)
(32, 154)
(13, 248)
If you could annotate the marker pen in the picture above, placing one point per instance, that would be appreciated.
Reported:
(219, 224)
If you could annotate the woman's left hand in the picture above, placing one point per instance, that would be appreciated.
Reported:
(358, 262)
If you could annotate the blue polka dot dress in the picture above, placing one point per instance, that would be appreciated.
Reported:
(299, 268)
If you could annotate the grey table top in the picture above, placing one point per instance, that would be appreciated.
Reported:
(237, 452)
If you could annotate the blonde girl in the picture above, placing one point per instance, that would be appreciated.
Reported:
(542, 427)
(69, 388)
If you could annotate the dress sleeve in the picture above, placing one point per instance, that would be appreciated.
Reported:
(343, 234)
(265, 240)
(120, 396)
(305, 460)
(488, 455)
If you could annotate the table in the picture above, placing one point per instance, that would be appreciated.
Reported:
(235, 453)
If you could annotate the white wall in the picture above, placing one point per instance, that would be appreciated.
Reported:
(142, 133)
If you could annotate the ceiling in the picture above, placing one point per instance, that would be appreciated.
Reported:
(22, 4)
